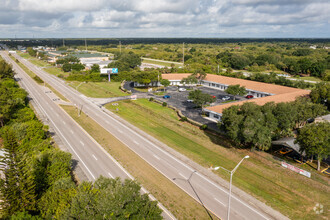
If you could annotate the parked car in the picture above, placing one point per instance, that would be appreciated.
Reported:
(225, 98)
(166, 96)
(249, 96)
(182, 89)
(190, 100)
(213, 96)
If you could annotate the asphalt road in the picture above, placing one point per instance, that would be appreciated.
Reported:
(201, 188)
(94, 160)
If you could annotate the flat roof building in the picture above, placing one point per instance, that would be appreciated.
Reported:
(263, 92)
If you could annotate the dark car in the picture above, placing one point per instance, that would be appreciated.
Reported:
(166, 96)
(249, 96)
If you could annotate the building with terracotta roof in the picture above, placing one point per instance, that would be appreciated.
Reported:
(263, 92)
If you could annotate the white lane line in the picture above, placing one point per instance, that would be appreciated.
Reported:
(120, 131)
(71, 131)
(107, 122)
(110, 175)
(182, 175)
(82, 143)
(156, 157)
(57, 115)
(135, 142)
(219, 202)
(63, 122)
(94, 157)
(52, 108)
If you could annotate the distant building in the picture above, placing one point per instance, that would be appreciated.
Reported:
(262, 92)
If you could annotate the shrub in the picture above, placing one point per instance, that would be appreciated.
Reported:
(164, 104)
(203, 127)
(184, 119)
(38, 79)
(151, 99)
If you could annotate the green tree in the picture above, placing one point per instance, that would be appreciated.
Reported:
(189, 80)
(66, 67)
(314, 139)
(165, 83)
(95, 68)
(57, 199)
(6, 71)
(17, 186)
(321, 94)
(200, 98)
(31, 52)
(236, 90)
(111, 199)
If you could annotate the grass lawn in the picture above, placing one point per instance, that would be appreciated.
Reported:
(172, 197)
(261, 176)
(159, 62)
(311, 78)
(99, 89)
(56, 71)
(34, 60)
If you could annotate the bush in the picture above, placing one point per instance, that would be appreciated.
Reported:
(38, 79)
(184, 119)
(164, 104)
(203, 127)
(60, 76)
(151, 99)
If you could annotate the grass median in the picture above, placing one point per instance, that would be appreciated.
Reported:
(172, 197)
(261, 176)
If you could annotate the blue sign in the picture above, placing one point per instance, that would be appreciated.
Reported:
(114, 70)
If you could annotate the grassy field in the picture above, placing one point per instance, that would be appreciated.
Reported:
(99, 89)
(160, 62)
(261, 176)
(34, 60)
(173, 198)
(56, 71)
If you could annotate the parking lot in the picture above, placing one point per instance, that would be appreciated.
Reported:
(179, 99)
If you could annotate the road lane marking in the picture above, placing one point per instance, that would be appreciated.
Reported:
(63, 122)
(107, 122)
(182, 175)
(110, 175)
(119, 131)
(82, 143)
(52, 108)
(94, 157)
(156, 157)
(71, 131)
(57, 115)
(136, 142)
(219, 201)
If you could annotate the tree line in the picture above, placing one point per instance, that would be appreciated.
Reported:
(36, 178)
(254, 126)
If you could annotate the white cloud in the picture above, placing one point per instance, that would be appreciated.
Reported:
(198, 18)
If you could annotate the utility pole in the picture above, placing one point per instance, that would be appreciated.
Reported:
(183, 53)
(63, 43)
(120, 47)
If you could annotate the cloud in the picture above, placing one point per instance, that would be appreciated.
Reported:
(167, 18)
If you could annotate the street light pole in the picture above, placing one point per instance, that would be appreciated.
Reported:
(231, 178)
(230, 182)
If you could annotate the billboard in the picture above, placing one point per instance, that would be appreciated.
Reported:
(109, 71)
(296, 169)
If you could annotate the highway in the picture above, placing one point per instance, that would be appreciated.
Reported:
(198, 186)
(93, 159)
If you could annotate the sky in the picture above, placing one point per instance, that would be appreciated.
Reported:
(165, 18)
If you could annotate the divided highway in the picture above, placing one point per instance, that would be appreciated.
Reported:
(202, 189)
(94, 160)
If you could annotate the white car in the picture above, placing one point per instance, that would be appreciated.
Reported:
(225, 98)
(190, 100)
(182, 89)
